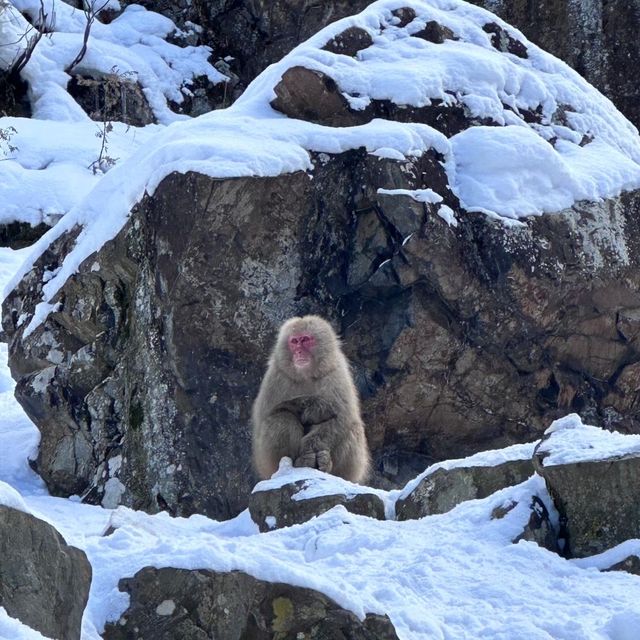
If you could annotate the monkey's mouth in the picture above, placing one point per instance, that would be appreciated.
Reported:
(301, 361)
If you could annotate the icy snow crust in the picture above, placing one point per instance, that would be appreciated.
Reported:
(569, 440)
(450, 576)
(508, 172)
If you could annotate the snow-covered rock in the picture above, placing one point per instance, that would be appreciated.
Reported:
(294, 496)
(593, 476)
(175, 603)
(444, 485)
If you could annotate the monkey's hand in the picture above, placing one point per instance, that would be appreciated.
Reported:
(315, 454)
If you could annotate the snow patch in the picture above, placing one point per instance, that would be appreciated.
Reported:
(569, 440)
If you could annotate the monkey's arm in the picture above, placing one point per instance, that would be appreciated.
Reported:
(310, 410)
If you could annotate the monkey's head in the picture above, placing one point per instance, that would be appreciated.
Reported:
(306, 347)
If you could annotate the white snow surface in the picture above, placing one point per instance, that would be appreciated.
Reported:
(443, 577)
(570, 440)
(12, 629)
(48, 162)
(509, 172)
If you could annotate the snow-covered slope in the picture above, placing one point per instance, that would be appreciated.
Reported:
(49, 162)
(554, 139)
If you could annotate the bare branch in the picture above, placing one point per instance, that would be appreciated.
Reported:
(90, 13)
(39, 30)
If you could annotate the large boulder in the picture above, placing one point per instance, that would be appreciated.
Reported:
(43, 581)
(593, 477)
(466, 331)
(597, 39)
(193, 605)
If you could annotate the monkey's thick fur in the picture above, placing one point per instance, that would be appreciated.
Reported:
(312, 416)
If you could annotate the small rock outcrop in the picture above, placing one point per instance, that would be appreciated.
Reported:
(44, 582)
(273, 507)
(193, 605)
(108, 97)
(631, 564)
(593, 477)
(441, 489)
(18, 235)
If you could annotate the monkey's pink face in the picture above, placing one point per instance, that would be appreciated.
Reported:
(301, 346)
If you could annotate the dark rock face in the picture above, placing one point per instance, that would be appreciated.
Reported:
(257, 34)
(193, 605)
(597, 39)
(313, 96)
(109, 97)
(43, 581)
(13, 96)
(630, 565)
(597, 502)
(277, 508)
(443, 489)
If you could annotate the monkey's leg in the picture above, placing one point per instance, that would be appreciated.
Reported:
(281, 437)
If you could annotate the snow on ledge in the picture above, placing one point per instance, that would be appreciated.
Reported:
(602, 561)
(490, 458)
(569, 440)
(318, 484)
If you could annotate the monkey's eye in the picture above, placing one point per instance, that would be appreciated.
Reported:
(304, 339)
(294, 340)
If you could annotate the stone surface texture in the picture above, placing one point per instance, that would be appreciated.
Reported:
(167, 604)
(443, 489)
(44, 582)
(597, 502)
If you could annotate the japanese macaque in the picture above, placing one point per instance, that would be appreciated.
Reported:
(307, 407)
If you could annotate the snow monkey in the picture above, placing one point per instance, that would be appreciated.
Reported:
(307, 407)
